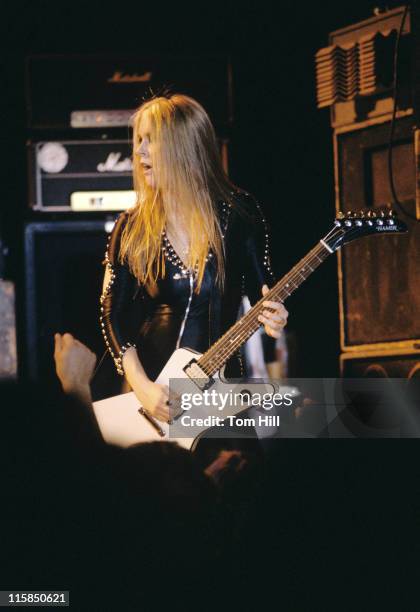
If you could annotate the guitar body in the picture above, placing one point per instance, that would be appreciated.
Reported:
(121, 423)
(119, 419)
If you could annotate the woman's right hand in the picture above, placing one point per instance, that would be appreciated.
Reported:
(154, 398)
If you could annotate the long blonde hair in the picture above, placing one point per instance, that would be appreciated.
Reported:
(187, 170)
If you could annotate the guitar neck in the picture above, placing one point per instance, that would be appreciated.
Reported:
(215, 358)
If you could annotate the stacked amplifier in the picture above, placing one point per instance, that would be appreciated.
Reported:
(79, 110)
(379, 287)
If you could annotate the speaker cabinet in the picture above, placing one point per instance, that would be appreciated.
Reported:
(379, 365)
(379, 275)
(63, 282)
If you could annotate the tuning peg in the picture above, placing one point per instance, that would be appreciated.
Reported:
(371, 214)
(387, 210)
(362, 214)
(382, 213)
(350, 214)
(340, 215)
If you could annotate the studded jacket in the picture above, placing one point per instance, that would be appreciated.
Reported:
(247, 269)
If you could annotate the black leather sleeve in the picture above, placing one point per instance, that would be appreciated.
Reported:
(257, 270)
(116, 297)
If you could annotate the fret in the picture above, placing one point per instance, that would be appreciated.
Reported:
(294, 285)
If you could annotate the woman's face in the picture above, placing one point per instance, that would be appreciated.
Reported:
(144, 149)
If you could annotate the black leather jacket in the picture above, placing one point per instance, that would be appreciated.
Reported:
(247, 269)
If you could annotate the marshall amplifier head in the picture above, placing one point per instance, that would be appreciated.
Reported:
(101, 91)
(80, 175)
(85, 175)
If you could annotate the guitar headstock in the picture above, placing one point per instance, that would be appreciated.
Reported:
(353, 225)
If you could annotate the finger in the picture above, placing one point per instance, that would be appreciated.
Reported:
(264, 320)
(276, 327)
(270, 327)
(157, 413)
(277, 315)
(57, 343)
(163, 413)
(277, 324)
(163, 402)
(271, 332)
(274, 317)
(175, 396)
(274, 305)
(265, 289)
(274, 331)
(67, 338)
(169, 397)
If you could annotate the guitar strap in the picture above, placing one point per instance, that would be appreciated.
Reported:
(215, 314)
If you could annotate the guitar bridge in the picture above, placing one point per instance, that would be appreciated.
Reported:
(197, 375)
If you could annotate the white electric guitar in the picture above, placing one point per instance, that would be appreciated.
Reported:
(122, 420)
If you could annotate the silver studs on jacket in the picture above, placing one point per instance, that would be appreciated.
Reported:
(266, 258)
(171, 255)
(118, 360)
(119, 357)
(226, 210)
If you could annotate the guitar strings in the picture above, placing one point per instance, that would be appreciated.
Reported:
(244, 330)
(248, 325)
(215, 357)
(249, 322)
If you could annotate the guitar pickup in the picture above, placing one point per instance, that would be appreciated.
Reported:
(198, 376)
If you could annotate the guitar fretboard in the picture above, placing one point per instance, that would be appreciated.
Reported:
(212, 360)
